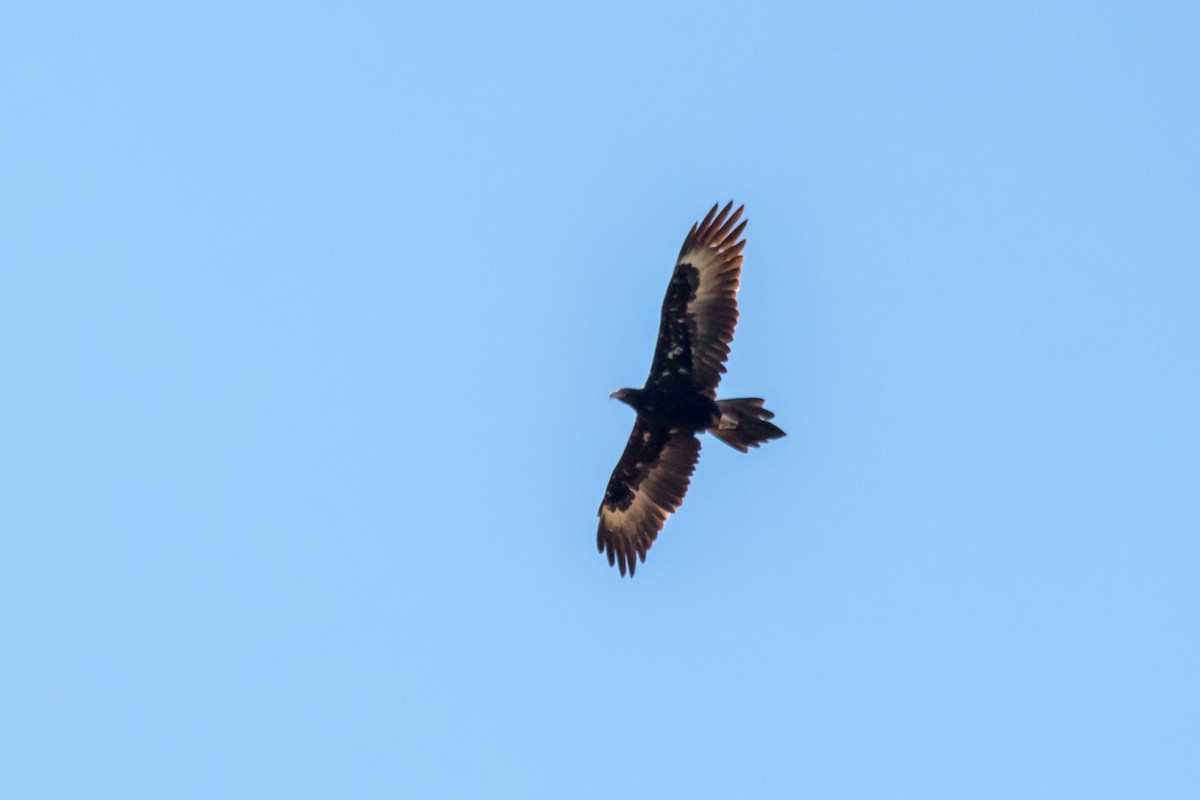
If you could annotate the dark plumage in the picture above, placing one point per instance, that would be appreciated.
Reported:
(679, 399)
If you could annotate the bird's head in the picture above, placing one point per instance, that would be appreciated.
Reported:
(625, 395)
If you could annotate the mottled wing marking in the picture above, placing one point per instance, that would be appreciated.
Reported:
(647, 485)
(673, 353)
(700, 309)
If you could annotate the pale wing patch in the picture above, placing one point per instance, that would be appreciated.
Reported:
(713, 249)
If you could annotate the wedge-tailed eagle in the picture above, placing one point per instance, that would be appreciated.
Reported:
(679, 399)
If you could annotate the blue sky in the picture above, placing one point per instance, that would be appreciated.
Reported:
(308, 320)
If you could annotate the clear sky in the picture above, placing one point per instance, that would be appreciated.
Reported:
(308, 319)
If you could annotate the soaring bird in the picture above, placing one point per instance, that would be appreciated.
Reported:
(679, 400)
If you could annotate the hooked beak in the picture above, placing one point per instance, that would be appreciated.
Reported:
(612, 395)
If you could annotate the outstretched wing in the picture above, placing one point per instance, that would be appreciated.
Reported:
(700, 309)
(645, 488)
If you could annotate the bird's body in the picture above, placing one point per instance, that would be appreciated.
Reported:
(679, 399)
(672, 404)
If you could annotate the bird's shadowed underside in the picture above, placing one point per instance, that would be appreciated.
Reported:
(678, 400)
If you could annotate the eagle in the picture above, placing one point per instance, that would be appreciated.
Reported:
(679, 400)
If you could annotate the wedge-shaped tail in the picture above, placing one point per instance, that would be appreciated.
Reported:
(743, 423)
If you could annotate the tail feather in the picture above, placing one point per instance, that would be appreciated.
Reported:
(742, 423)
